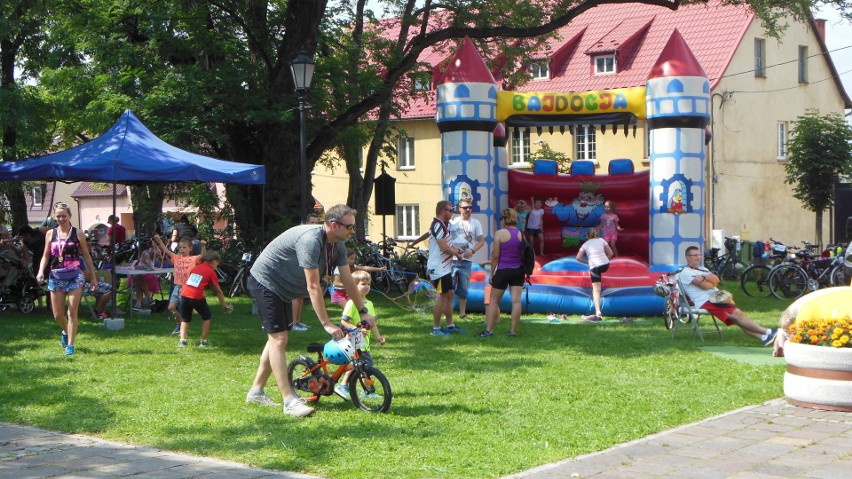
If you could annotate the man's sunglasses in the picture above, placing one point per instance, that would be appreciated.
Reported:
(350, 227)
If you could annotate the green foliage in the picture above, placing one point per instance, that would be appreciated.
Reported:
(561, 390)
(562, 160)
(819, 150)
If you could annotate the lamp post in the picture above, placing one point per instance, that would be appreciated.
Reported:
(302, 68)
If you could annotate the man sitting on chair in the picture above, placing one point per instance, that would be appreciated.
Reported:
(699, 283)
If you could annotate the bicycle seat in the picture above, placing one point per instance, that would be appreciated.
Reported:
(315, 347)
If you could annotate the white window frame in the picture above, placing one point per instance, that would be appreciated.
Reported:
(540, 70)
(585, 143)
(407, 222)
(760, 58)
(606, 64)
(422, 82)
(803, 64)
(37, 195)
(781, 141)
(405, 153)
(519, 148)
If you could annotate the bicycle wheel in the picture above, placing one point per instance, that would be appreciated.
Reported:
(732, 270)
(369, 389)
(297, 370)
(396, 278)
(788, 282)
(838, 278)
(755, 281)
(237, 286)
(226, 273)
(670, 315)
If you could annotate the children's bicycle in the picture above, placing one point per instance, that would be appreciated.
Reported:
(369, 389)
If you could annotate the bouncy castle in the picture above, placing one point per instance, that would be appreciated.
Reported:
(661, 209)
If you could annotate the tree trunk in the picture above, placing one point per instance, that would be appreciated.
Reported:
(147, 207)
(818, 232)
(14, 189)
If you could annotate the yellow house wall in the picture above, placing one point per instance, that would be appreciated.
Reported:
(751, 198)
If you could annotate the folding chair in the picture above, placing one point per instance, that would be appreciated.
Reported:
(689, 314)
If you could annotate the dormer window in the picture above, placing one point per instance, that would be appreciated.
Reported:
(540, 70)
(422, 82)
(605, 65)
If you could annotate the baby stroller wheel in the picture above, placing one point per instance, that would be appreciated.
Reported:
(26, 304)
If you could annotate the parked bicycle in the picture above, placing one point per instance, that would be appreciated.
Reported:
(729, 266)
(240, 283)
(755, 278)
(369, 389)
(813, 272)
(414, 260)
(393, 277)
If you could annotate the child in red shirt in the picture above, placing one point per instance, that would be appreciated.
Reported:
(192, 297)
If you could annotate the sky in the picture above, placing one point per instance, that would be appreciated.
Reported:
(838, 40)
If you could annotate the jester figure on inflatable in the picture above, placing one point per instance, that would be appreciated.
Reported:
(661, 209)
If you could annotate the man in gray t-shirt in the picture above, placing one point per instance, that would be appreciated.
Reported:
(295, 264)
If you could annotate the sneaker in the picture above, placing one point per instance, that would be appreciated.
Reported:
(342, 390)
(486, 334)
(770, 336)
(372, 395)
(512, 334)
(298, 407)
(69, 350)
(261, 399)
(63, 339)
(182, 343)
(591, 319)
(103, 315)
(137, 306)
(202, 343)
(176, 330)
(439, 332)
(299, 327)
(455, 329)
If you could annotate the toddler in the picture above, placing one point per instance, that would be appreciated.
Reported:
(350, 313)
(610, 226)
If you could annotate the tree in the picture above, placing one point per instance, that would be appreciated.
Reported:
(213, 76)
(820, 150)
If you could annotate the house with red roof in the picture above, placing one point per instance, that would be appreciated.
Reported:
(759, 86)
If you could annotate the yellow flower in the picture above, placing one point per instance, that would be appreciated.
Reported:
(823, 332)
(837, 344)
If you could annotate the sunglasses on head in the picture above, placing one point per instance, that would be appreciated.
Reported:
(61, 206)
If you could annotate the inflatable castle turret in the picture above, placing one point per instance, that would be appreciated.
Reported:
(678, 110)
(466, 117)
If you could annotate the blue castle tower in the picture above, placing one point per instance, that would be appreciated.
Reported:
(678, 111)
(466, 116)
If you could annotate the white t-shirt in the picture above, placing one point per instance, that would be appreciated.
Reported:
(534, 219)
(465, 233)
(697, 295)
(595, 250)
(439, 263)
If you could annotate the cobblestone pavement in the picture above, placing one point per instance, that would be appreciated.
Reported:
(773, 440)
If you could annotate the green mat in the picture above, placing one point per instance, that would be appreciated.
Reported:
(754, 356)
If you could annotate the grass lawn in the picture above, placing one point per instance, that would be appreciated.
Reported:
(463, 406)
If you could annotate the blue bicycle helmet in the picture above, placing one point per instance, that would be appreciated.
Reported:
(339, 352)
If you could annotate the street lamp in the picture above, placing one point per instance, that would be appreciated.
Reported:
(302, 68)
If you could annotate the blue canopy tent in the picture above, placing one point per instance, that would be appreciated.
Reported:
(128, 153)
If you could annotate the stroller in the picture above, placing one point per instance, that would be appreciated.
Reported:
(18, 286)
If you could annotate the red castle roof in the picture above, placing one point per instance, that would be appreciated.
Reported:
(637, 33)
(676, 59)
(466, 66)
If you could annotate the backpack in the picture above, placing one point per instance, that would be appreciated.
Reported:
(757, 251)
(527, 257)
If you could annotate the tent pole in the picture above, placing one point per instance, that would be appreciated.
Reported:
(112, 253)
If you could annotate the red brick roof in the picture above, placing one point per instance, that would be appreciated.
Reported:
(638, 33)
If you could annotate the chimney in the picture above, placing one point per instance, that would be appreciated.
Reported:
(820, 27)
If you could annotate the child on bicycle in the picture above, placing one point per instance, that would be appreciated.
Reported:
(183, 264)
(350, 313)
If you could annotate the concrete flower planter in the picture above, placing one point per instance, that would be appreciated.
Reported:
(818, 377)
